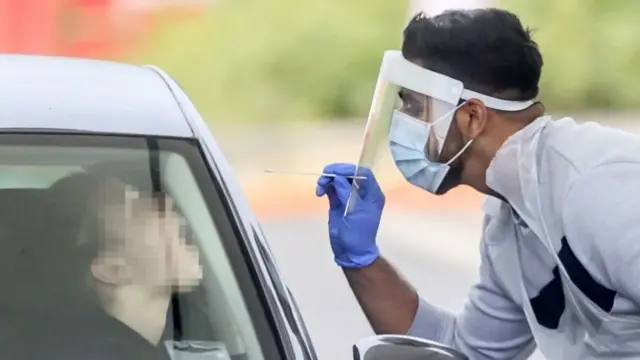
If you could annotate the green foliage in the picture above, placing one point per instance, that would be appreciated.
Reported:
(272, 60)
(591, 51)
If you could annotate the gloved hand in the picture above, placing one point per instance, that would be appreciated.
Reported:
(353, 238)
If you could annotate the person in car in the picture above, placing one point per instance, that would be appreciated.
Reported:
(129, 252)
(142, 256)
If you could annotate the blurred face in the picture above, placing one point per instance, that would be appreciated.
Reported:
(143, 241)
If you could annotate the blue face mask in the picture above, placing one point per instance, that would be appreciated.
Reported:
(408, 141)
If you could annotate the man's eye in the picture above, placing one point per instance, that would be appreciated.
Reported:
(412, 109)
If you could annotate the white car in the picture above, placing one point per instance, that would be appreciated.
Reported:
(91, 154)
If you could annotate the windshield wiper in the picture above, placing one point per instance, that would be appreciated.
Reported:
(289, 307)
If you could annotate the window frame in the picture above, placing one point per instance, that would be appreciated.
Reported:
(265, 317)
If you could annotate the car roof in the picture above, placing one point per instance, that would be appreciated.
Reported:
(59, 93)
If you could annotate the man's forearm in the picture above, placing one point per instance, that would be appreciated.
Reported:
(388, 301)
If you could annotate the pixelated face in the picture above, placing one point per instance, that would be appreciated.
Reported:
(143, 240)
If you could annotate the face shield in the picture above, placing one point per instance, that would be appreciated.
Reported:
(416, 106)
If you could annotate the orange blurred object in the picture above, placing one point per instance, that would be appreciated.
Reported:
(81, 28)
(26, 26)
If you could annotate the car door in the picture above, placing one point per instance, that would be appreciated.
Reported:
(76, 273)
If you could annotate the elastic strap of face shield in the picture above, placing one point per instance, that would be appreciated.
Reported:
(494, 103)
(156, 186)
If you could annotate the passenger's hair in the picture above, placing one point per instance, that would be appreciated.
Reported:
(487, 49)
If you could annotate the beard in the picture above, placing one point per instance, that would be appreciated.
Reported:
(451, 180)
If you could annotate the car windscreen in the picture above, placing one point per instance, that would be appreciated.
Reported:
(121, 248)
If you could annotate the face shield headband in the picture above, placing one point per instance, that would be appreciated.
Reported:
(412, 110)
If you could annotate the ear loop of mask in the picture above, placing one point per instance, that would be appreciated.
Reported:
(466, 146)
(445, 116)
(457, 155)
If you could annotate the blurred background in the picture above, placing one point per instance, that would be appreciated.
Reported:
(287, 84)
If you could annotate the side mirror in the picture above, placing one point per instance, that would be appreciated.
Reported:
(403, 347)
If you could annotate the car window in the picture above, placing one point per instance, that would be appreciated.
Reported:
(20, 176)
(121, 244)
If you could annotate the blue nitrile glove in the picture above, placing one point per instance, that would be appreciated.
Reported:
(353, 238)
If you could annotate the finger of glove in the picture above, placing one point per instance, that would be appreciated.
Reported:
(368, 189)
(337, 169)
(340, 169)
(322, 188)
(342, 188)
(323, 184)
(334, 201)
(346, 170)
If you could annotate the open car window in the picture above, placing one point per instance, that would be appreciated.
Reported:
(123, 248)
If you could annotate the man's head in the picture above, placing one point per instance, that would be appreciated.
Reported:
(491, 53)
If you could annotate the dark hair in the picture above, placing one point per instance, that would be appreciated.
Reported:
(487, 49)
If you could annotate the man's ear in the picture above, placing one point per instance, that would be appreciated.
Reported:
(472, 119)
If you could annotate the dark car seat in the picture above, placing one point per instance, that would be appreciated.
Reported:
(24, 253)
(37, 273)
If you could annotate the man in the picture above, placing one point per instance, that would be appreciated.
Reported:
(560, 252)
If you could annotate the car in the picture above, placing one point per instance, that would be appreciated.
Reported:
(86, 147)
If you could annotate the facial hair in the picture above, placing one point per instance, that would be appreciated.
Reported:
(451, 180)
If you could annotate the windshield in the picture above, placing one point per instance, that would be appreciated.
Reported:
(120, 248)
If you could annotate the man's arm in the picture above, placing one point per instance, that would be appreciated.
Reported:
(491, 325)
(389, 302)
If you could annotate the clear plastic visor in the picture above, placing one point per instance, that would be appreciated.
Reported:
(409, 94)
(392, 101)
(427, 111)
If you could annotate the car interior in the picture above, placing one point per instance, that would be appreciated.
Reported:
(47, 307)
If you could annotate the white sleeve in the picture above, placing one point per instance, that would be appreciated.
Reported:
(602, 213)
(491, 325)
